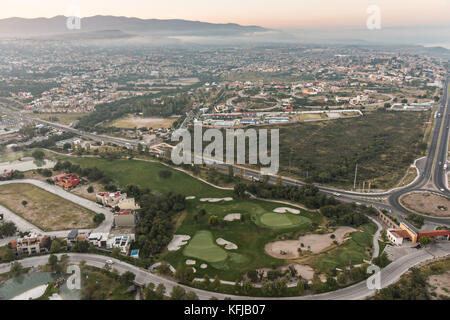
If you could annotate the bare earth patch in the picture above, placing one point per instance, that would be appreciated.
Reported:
(177, 242)
(212, 200)
(305, 271)
(232, 217)
(228, 245)
(139, 122)
(288, 249)
(286, 209)
(427, 204)
(44, 209)
(441, 283)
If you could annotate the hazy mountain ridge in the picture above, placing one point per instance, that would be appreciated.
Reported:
(20, 27)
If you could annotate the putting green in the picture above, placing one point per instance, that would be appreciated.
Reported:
(283, 220)
(202, 246)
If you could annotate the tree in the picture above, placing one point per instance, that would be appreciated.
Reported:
(55, 246)
(213, 220)
(191, 295)
(24, 203)
(53, 262)
(7, 229)
(247, 287)
(81, 246)
(252, 275)
(38, 154)
(300, 287)
(115, 253)
(8, 255)
(160, 291)
(127, 277)
(16, 269)
(99, 218)
(426, 240)
(185, 275)
(90, 189)
(178, 293)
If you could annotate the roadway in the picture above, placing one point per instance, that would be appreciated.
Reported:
(388, 275)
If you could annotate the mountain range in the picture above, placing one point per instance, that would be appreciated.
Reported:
(56, 26)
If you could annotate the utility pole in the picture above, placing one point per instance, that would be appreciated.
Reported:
(356, 173)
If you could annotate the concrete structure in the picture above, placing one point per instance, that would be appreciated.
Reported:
(124, 218)
(397, 236)
(128, 204)
(110, 199)
(123, 242)
(407, 231)
(98, 239)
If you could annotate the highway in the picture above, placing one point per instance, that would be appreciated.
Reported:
(432, 173)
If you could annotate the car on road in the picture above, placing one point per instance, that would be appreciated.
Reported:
(110, 262)
(337, 194)
(442, 189)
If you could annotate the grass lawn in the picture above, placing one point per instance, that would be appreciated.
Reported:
(249, 235)
(203, 246)
(282, 220)
(43, 209)
(351, 253)
(12, 156)
(146, 175)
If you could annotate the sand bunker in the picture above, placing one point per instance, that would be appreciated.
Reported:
(228, 245)
(203, 266)
(190, 198)
(315, 243)
(216, 199)
(190, 262)
(177, 242)
(286, 209)
(232, 217)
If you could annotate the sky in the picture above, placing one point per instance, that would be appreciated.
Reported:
(279, 14)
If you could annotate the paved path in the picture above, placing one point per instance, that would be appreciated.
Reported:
(24, 225)
(388, 276)
(376, 236)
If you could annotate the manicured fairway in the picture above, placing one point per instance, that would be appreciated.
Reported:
(282, 220)
(202, 246)
(146, 175)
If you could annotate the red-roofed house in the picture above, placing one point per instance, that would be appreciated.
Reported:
(66, 180)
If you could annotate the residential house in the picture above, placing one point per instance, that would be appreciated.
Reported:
(30, 244)
(66, 180)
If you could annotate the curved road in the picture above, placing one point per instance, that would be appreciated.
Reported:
(388, 275)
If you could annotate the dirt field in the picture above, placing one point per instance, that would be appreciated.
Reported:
(427, 204)
(315, 243)
(139, 122)
(43, 209)
(441, 283)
